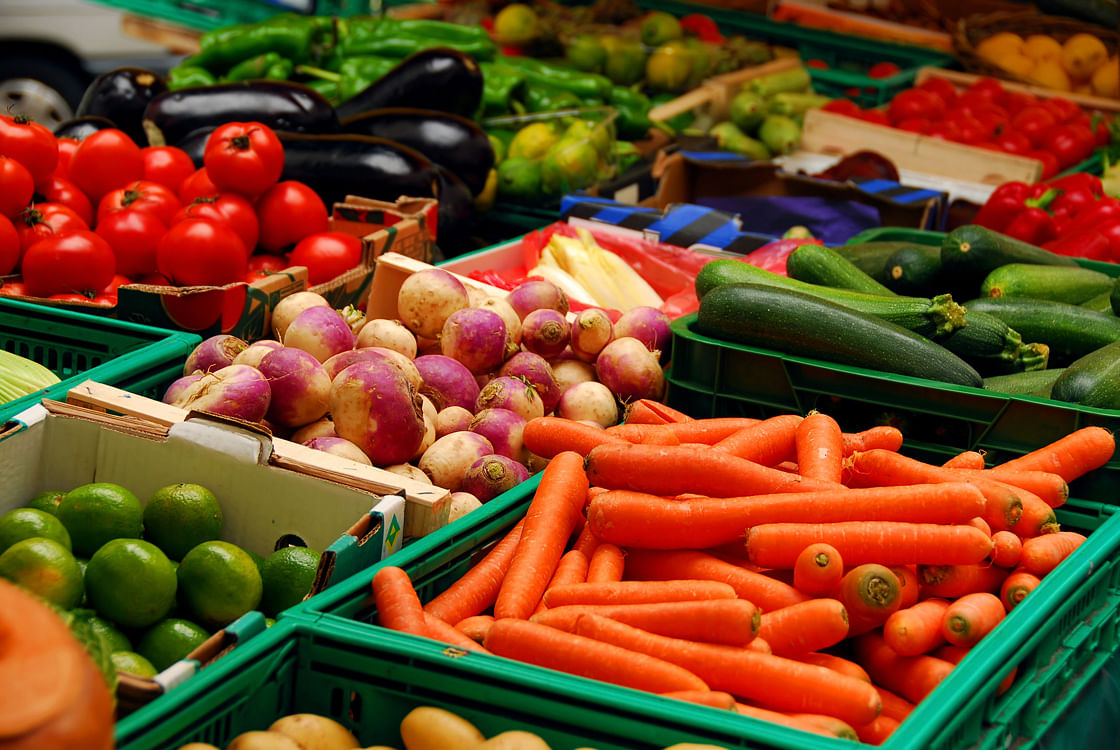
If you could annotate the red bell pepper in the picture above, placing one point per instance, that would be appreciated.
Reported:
(703, 27)
(1079, 191)
(1111, 231)
(1029, 222)
(1103, 210)
(1003, 205)
(1081, 243)
(1078, 181)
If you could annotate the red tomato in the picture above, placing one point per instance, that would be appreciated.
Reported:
(916, 103)
(1013, 142)
(152, 279)
(289, 211)
(969, 129)
(30, 144)
(9, 246)
(987, 88)
(1013, 101)
(44, 220)
(1063, 109)
(118, 281)
(244, 157)
(1033, 122)
(883, 70)
(1102, 136)
(947, 130)
(842, 107)
(200, 252)
(10, 288)
(167, 165)
(228, 208)
(198, 185)
(71, 297)
(79, 262)
(326, 255)
(1049, 162)
(816, 63)
(264, 264)
(66, 149)
(61, 190)
(877, 116)
(143, 195)
(940, 87)
(134, 235)
(914, 124)
(16, 187)
(105, 161)
(993, 117)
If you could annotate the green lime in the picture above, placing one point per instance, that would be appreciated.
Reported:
(626, 59)
(131, 582)
(25, 523)
(44, 567)
(256, 559)
(218, 582)
(286, 578)
(170, 640)
(114, 639)
(532, 141)
(180, 516)
(95, 513)
(659, 27)
(586, 53)
(47, 501)
(571, 168)
(132, 663)
(519, 178)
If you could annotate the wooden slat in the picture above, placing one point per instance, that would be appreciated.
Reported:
(177, 39)
(715, 94)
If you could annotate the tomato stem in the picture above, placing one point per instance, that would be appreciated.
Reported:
(240, 142)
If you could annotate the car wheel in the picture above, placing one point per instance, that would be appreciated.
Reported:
(43, 88)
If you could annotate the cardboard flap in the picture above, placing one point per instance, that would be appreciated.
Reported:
(231, 439)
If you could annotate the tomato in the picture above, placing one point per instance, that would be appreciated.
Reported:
(877, 116)
(117, 281)
(326, 255)
(947, 130)
(969, 129)
(1102, 136)
(816, 64)
(289, 211)
(78, 262)
(1014, 101)
(144, 195)
(16, 187)
(30, 144)
(940, 87)
(1032, 122)
(44, 220)
(883, 70)
(167, 165)
(105, 161)
(244, 157)
(1063, 109)
(1049, 162)
(66, 149)
(986, 88)
(842, 107)
(152, 279)
(264, 264)
(134, 235)
(9, 246)
(916, 103)
(914, 124)
(10, 288)
(200, 252)
(198, 185)
(228, 208)
(1013, 142)
(993, 117)
(61, 190)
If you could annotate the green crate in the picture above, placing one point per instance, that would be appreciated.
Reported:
(204, 15)
(77, 347)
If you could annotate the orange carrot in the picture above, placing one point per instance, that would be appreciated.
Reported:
(777, 683)
(586, 541)
(649, 434)
(709, 431)
(817, 569)
(398, 606)
(954, 655)
(894, 705)
(548, 524)
(954, 581)
(1016, 587)
(672, 469)
(835, 727)
(917, 629)
(636, 592)
(776, 545)
(877, 731)
(981, 524)
(713, 698)
(550, 436)
(734, 622)
(1050, 487)
(760, 645)
(870, 593)
(572, 568)
(805, 626)
(1038, 518)
(788, 466)
(787, 720)
(438, 630)
(1006, 548)
(1069, 457)
(648, 411)
(606, 564)
(820, 447)
(965, 460)
(476, 590)
(575, 654)
(881, 436)
(833, 662)
(764, 591)
(769, 442)
(971, 617)
(475, 627)
(908, 589)
(912, 677)
(1041, 554)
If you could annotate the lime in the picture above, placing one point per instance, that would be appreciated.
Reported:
(498, 145)
(95, 513)
(114, 639)
(25, 523)
(170, 640)
(44, 567)
(180, 516)
(47, 501)
(516, 24)
(586, 53)
(670, 66)
(256, 559)
(132, 663)
(570, 168)
(626, 59)
(131, 582)
(286, 578)
(659, 27)
(218, 582)
(532, 141)
(519, 178)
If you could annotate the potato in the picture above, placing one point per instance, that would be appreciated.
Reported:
(314, 732)
(515, 739)
(263, 741)
(431, 728)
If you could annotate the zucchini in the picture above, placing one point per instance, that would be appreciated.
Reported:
(1072, 284)
(801, 324)
(1026, 383)
(1092, 380)
(914, 270)
(871, 257)
(1101, 303)
(1069, 330)
(1114, 298)
(933, 318)
(986, 343)
(817, 264)
(971, 252)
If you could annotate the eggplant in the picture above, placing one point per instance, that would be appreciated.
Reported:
(449, 140)
(173, 116)
(80, 127)
(437, 78)
(456, 210)
(195, 145)
(122, 95)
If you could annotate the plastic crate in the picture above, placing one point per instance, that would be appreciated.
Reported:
(211, 14)
(77, 347)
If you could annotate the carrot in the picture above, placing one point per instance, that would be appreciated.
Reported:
(817, 569)
(709, 431)
(908, 590)
(1069, 457)
(649, 434)
(894, 705)
(870, 593)
(1006, 548)
(787, 720)
(734, 622)
(572, 568)
(776, 545)
(876, 732)
(1038, 518)
(880, 436)
(953, 581)
(438, 630)
(912, 677)
(637, 592)
(971, 617)
(965, 460)
(819, 444)
(398, 606)
(833, 662)
(648, 411)
(1016, 587)
(981, 524)
(760, 645)
(475, 627)
(575, 654)
(788, 467)
(769, 442)
(764, 591)
(549, 436)
(954, 655)
(548, 524)
(805, 626)
(1050, 487)
(672, 469)
(476, 590)
(917, 629)
(835, 727)
(1041, 554)
(775, 682)
(586, 541)
(713, 698)
(606, 563)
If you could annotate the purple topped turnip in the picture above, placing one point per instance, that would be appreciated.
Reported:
(319, 428)
(403, 363)
(214, 353)
(462, 503)
(339, 447)
(410, 471)
(514, 394)
(452, 419)
(537, 294)
(535, 370)
(648, 325)
(377, 409)
(630, 370)
(476, 337)
(300, 387)
(180, 386)
(237, 391)
(319, 331)
(504, 429)
(492, 475)
(427, 298)
(255, 352)
(509, 315)
(589, 402)
(447, 382)
(545, 332)
(591, 331)
(291, 306)
(339, 362)
(390, 334)
(448, 459)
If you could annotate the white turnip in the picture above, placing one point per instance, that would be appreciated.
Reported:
(545, 332)
(492, 475)
(447, 382)
(300, 387)
(648, 325)
(630, 370)
(214, 353)
(537, 294)
(236, 391)
(591, 331)
(377, 409)
(568, 372)
(452, 419)
(180, 386)
(410, 471)
(427, 440)
(511, 393)
(319, 428)
(255, 352)
(476, 337)
(448, 459)
(591, 401)
(319, 331)
(339, 447)
(504, 429)
(535, 370)
(426, 299)
(462, 503)
(391, 334)
(509, 315)
(291, 306)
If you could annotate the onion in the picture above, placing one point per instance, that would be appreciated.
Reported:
(591, 401)
(511, 393)
(448, 459)
(504, 429)
(591, 331)
(291, 306)
(319, 331)
(648, 325)
(492, 475)
(300, 387)
(180, 386)
(427, 298)
(237, 391)
(476, 337)
(390, 334)
(214, 353)
(630, 370)
(535, 295)
(447, 381)
(255, 352)
(452, 419)
(545, 332)
(339, 447)
(375, 407)
(535, 370)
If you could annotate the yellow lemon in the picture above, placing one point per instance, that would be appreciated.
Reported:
(1106, 79)
(1017, 65)
(1051, 74)
(1042, 47)
(1082, 54)
(1000, 45)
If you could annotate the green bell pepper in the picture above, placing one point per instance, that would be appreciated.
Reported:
(189, 76)
(633, 112)
(256, 68)
(499, 89)
(360, 71)
(538, 72)
(548, 99)
(400, 38)
(289, 35)
(329, 89)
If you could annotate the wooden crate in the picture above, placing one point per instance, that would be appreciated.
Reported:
(963, 80)
(714, 95)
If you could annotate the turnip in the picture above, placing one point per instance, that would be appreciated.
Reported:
(354, 318)
(180, 386)
(535, 295)
(403, 363)
(426, 299)
(255, 352)
(390, 334)
(236, 391)
(447, 382)
(448, 459)
(427, 440)
(511, 393)
(375, 407)
(591, 401)
(452, 419)
(339, 447)
(504, 429)
(319, 428)
(534, 369)
(492, 475)
(289, 307)
(630, 370)
(410, 471)
(648, 325)
(509, 315)
(462, 503)
(429, 409)
(339, 362)
(591, 331)
(214, 353)
(475, 337)
(568, 372)
(319, 331)
(300, 387)
(545, 332)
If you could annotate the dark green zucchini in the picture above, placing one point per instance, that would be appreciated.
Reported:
(1092, 380)
(1072, 284)
(801, 324)
(1069, 330)
(914, 270)
(986, 343)
(1114, 298)
(1026, 383)
(817, 264)
(971, 252)
(1102, 303)
(871, 257)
